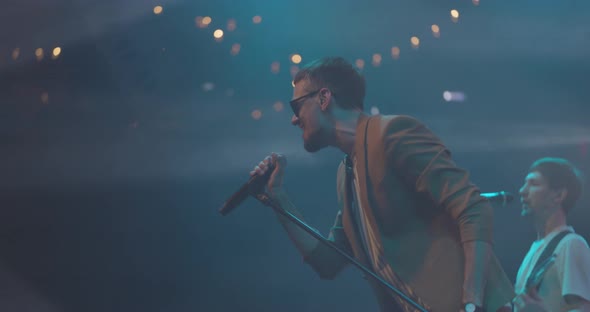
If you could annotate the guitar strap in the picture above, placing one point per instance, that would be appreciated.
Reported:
(546, 255)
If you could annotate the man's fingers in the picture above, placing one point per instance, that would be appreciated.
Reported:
(517, 301)
(278, 160)
(533, 293)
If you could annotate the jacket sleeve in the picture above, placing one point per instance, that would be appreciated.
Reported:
(423, 161)
(325, 261)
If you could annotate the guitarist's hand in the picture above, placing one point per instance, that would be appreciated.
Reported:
(529, 302)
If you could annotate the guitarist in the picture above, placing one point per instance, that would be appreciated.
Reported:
(555, 274)
(407, 211)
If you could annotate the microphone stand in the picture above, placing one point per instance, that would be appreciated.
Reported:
(266, 200)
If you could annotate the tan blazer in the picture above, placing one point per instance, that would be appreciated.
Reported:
(421, 207)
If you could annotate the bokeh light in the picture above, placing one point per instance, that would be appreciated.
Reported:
(231, 25)
(296, 58)
(256, 114)
(395, 51)
(454, 15)
(39, 54)
(275, 67)
(235, 49)
(360, 63)
(415, 42)
(278, 106)
(218, 34)
(376, 60)
(45, 98)
(435, 30)
(15, 53)
(56, 52)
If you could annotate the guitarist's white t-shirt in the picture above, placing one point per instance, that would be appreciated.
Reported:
(569, 275)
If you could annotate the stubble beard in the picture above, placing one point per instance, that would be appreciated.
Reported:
(313, 143)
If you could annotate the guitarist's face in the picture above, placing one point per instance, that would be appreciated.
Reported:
(537, 198)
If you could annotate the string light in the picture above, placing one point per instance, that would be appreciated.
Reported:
(15, 53)
(360, 63)
(454, 96)
(376, 60)
(56, 52)
(256, 114)
(218, 34)
(208, 86)
(203, 22)
(231, 25)
(235, 49)
(415, 42)
(435, 31)
(454, 15)
(395, 53)
(278, 106)
(44, 97)
(275, 67)
(39, 54)
(296, 58)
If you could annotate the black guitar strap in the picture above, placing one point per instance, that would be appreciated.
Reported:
(546, 255)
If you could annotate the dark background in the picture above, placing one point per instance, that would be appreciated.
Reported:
(114, 157)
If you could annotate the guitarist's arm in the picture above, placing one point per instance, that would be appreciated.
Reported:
(581, 304)
(531, 302)
(573, 265)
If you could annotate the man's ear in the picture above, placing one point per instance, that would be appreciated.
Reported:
(560, 196)
(325, 98)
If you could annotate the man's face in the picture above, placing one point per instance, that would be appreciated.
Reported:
(537, 198)
(308, 115)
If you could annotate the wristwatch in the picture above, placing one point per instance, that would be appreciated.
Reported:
(471, 307)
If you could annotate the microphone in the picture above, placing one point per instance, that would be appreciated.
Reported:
(502, 196)
(253, 186)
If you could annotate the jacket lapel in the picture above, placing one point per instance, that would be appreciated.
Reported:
(350, 227)
(365, 130)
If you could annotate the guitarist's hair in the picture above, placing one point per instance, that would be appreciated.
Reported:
(561, 174)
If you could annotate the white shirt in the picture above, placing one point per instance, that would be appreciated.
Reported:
(569, 275)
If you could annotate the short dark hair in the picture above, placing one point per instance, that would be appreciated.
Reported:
(561, 174)
(338, 75)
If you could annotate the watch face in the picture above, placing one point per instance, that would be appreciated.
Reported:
(470, 307)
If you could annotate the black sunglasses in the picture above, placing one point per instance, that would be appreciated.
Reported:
(298, 102)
